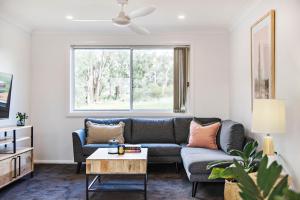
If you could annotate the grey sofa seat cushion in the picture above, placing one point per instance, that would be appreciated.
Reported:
(88, 149)
(152, 131)
(182, 127)
(232, 136)
(127, 128)
(159, 149)
(195, 160)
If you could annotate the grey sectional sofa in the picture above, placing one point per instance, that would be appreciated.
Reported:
(166, 140)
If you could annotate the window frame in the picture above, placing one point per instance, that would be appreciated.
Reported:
(114, 112)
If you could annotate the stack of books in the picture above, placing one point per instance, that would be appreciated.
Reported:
(133, 148)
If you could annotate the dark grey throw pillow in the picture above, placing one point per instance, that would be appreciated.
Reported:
(232, 136)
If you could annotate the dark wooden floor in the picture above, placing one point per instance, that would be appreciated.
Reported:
(60, 182)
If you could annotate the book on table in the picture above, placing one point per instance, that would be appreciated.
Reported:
(133, 148)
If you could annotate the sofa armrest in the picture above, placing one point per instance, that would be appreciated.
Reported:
(79, 137)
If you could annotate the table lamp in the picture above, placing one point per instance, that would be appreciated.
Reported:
(268, 118)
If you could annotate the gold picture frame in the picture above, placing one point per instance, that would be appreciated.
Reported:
(263, 58)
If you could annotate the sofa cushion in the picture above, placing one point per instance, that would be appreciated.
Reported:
(88, 149)
(195, 160)
(152, 131)
(127, 128)
(203, 136)
(232, 136)
(99, 133)
(206, 121)
(159, 149)
(182, 127)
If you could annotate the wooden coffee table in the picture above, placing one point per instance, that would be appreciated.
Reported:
(103, 163)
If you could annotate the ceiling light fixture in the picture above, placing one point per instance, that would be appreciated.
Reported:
(181, 17)
(70, 17)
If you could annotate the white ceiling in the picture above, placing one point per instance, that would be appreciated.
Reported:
(49, 15)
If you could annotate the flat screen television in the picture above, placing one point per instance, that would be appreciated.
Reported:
(5, 94)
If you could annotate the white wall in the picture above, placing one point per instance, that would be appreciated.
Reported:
(15, 48)
(287, 75)
(50, 62)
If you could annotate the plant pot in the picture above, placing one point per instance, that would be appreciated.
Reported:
(231, 191)
(21, 123)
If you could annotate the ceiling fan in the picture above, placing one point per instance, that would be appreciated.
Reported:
(126, 20)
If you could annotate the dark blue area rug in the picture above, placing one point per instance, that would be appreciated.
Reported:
(60, 182)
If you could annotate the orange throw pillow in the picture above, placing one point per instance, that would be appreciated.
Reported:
(203, 136)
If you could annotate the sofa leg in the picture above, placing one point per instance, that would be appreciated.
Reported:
(78, 167)
(194, 189)
(177, 167)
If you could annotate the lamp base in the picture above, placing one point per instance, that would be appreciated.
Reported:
(268, 146)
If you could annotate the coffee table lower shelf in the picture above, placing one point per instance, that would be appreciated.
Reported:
(97, 180)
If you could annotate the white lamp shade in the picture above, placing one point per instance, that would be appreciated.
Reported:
(268, 116)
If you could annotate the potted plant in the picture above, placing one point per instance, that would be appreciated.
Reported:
(268, 183)
(248, 158)
(21, 117)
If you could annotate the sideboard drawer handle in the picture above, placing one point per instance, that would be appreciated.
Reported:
(19, 165)
(15, 167)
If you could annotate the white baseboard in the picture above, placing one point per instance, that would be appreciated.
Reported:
(54, 162)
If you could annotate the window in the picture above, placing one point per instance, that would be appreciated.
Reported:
(133, 78)
(153, 79)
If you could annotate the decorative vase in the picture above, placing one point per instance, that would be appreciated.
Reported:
(113, 146)
(231, 191)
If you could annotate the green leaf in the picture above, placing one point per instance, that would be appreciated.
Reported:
(258, 155)
(246, 196)
(249, 170)
(279, 188)
(266, 177)
(216, 173)
(291, 195)
(239, 153)
(266, 187)
(252, 152)
(246, 184)
(250, 148)
(228, 173)
(224, 173)
(288, 195)
(218, 164)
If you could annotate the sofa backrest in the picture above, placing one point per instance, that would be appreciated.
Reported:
(182, 127)
(175, 130)
(158, 130)
(127, 128)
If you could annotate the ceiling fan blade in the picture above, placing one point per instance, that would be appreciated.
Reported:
(138, 29)
(141, 12)
(91, 20)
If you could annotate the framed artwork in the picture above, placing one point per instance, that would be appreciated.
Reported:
(263, 57)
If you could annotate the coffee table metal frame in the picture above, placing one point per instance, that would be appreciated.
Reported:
(90, 188)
